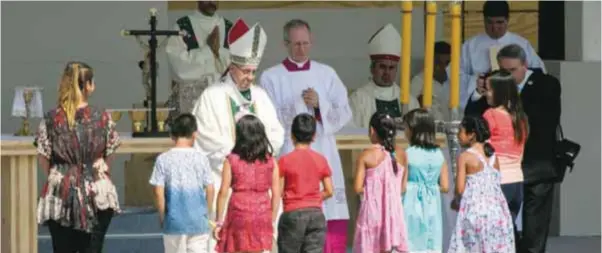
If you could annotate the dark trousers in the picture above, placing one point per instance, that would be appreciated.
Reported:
(514, 197)
(537, 212)
(69, 240)
(302, 230)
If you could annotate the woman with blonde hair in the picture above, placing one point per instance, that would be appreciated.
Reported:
(75, 142)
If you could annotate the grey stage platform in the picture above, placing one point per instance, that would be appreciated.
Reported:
(135, 233)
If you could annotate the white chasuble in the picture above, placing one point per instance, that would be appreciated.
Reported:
(216, 121)
(371, 98)
(285, 84)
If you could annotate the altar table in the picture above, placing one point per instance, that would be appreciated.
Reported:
(19, 174)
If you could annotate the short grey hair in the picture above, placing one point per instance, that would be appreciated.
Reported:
(294, 23)
(512, 51)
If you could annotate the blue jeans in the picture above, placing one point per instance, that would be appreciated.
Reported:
(514, 197)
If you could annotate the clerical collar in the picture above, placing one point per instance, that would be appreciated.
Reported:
(293, 66)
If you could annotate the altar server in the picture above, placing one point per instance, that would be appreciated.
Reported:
(198, 58)
(234, 96)
(381, 93)
(300, 85)
(479, 52)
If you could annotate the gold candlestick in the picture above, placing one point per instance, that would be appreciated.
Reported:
(137, 118)
(27, 97)
(161, 117)
(115, 116)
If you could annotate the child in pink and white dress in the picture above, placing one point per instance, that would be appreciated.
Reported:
(484, 223)
(379, 179)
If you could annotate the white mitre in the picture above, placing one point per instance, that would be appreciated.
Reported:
(246, 44)
(385, 44)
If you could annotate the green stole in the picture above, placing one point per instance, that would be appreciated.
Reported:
(235, 108)
(388, 107)
(190, 38)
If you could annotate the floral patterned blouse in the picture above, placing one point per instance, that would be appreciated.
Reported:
(78, 183)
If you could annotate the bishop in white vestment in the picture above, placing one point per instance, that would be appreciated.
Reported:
(300, 85)
(198, 58)
(381, 94)
(477, 52)
(233, 96)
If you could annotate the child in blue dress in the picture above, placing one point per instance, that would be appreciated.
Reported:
(427, 177)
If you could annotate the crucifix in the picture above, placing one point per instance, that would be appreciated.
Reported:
(151, 105)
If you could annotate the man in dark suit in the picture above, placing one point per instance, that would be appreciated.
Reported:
(540, 95)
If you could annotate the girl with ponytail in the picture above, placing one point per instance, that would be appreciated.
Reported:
(427, 178)
(379, 179)
(484, 223)
(75, 142)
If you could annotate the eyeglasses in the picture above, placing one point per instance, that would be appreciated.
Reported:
(245, 71)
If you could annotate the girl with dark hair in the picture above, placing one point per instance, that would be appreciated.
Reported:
(251, 172)
(427, 178)
(75, 143)
(380, 178)
(484, 223)
(508, 125)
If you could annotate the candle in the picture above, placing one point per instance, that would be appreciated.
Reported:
(429, 54)
(454, 78)
(406, 51)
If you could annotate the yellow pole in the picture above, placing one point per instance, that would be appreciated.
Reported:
(454, 79)
(429, 54)
(406, 52)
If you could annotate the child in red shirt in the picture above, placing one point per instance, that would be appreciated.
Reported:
(302, 225)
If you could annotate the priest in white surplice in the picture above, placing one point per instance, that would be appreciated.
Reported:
(235, 95)
(198, 58)
(300, 85)
(476, 51)
(381, 93)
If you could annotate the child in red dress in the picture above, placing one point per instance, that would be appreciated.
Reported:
(251, 172)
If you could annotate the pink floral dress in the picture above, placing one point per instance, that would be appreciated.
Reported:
(484, 223)
(380, 223)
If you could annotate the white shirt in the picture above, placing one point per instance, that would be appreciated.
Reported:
(440, 106)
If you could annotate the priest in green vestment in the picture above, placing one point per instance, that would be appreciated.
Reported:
(198, 58)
